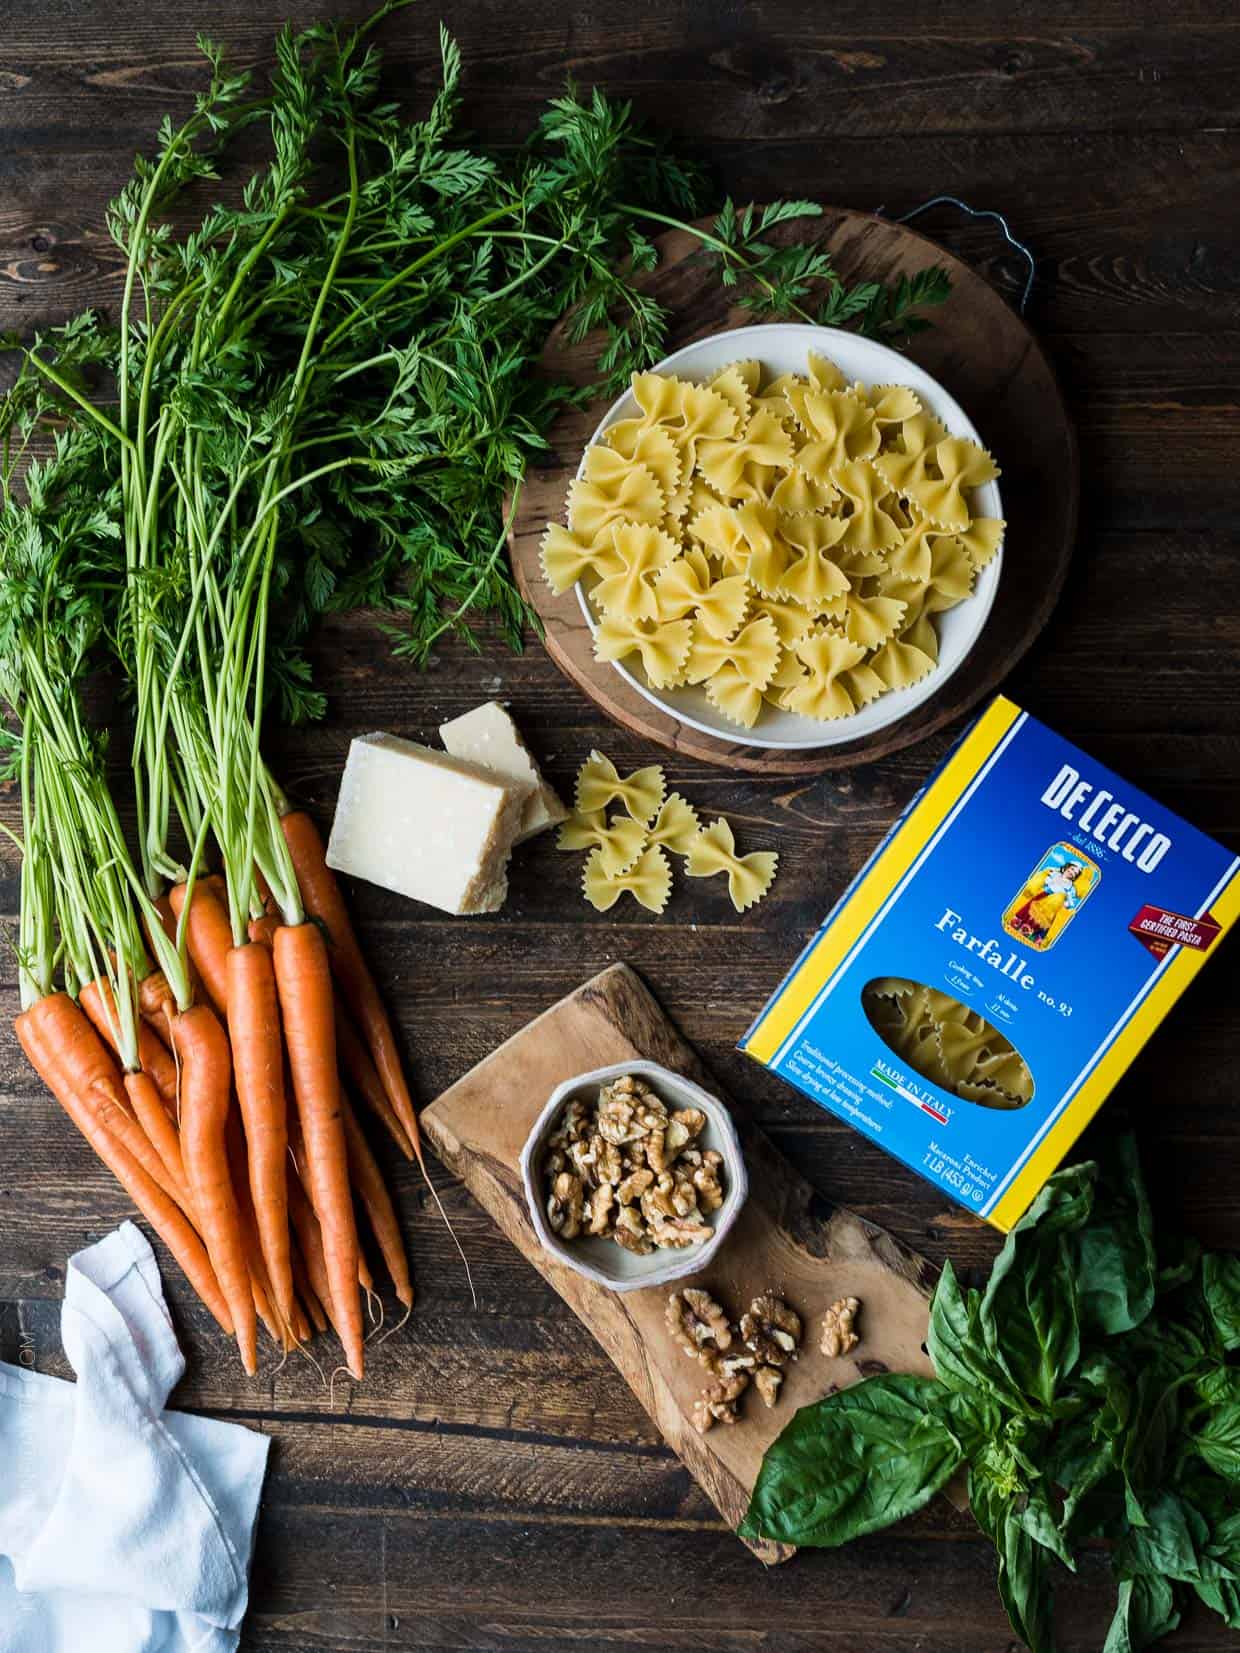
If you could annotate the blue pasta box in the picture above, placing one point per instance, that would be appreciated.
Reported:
(979, 988)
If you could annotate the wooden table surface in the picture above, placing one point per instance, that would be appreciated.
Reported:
(494, 1485)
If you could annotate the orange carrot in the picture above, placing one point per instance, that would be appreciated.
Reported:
(371, 1190)
(306, 1293)
(152, 1115)
(322, 900)
(209, 936)
(97, 1081)
(357, 1067)
(97, 1001)
(310, 1244)
(157, 1004)
(263, 930)
(303, 982)
(202, 1047)
(49, 1039)
(258, 1067)
(297, 1147)
(168, 918)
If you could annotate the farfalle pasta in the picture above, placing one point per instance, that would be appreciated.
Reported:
(947, 1042)
(728, 525)
(628, 851)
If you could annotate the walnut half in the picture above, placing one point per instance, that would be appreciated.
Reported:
(772, 1330)
(838, 1336)
(717, 1402)
(565, 1206)
(698, 1323)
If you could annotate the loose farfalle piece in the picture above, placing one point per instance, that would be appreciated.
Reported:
(900, 664)
(871, 620)
(648, 881)
(951, 575)
(870, 528)
(676, 824)
(737, 384)
(798, 492)
(790, 620)
(618, 843)
(890, 404)
(749, 876)
(981, 539)
(599, 784)
(735, 698)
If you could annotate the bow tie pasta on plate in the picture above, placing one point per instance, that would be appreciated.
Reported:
(786, 543)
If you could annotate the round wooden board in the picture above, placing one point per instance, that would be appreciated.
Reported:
(979, 349)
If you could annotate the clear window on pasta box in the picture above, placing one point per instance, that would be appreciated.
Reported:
(976, 992)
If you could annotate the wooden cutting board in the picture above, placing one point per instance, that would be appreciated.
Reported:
(788, 1239)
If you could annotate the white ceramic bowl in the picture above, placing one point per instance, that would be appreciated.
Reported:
(782, 347)
(600, 1260)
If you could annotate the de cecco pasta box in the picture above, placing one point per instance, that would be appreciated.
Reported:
(989, 974)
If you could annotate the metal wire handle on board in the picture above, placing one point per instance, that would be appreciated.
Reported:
(996, 218)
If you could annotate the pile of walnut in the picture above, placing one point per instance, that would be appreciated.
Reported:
(754, 1351)
(627, 1170)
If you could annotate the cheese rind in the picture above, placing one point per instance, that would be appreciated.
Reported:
(426, 825)
(487, 736)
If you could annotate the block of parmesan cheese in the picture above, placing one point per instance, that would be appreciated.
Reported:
(426, 825)
(489, 737)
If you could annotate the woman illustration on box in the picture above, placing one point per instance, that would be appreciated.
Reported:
(1048, 901)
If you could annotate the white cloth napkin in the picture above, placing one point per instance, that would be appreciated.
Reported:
(123, 1528)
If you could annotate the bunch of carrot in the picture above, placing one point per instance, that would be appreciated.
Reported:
(223, 1108)
(195, 1003)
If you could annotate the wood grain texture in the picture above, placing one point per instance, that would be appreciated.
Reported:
(979, 350)
(495, 1485)
(786, 1239)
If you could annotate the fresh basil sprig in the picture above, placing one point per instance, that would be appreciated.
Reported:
(1087, 1392)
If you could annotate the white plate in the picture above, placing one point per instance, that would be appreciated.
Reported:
(782, 347)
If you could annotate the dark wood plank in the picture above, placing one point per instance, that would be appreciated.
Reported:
(495, 1485)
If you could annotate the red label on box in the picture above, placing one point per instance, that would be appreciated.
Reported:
(1161, 930)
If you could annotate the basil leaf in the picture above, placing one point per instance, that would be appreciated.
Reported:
(1145, 1612)
(853, 1463)
(1028, 1313)
(1037, 1519)
(957, 1346)
(1173, 1543)
(1223, 1596)
(1039, 1315)
(1023, 1583)
(1220, 1279)
(1217, 1437)
(1116, 1261)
